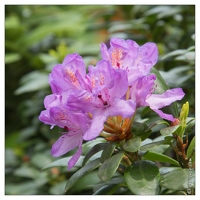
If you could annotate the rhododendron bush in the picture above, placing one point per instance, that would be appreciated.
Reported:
(100, 103)
(100, 99)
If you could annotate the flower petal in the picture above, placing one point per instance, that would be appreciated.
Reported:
(99, 117)
(124, 108)
(120, 107)
(56, 80)
(157, 101)
(66, 143)
(148, 53)
(164, 115)
(75, 157)
(46, 119)
(141, 89)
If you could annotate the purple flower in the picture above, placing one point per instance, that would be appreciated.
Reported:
(128, 55)
(107, 98)
(142, 93)
(71, 74)
(76, 123)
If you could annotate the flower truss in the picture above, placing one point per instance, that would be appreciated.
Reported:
(103, 101)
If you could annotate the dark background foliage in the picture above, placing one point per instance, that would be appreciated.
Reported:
(39, 36)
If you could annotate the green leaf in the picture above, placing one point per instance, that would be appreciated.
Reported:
(160, 82)
(12, 57)
(191, 149)
(174, 53)
(143, 178)
(32, 82)
(83, 184)
(178, 179)
(94, 150)
(161, 87)
(133, 144)
(154, 156)
(189, 125)
(105, 190)
(109, 167)
(58, 188)
(108, 189)
(151, 145)
(86, 147)
(108, 151)
(141, 130)
(184, 114)
(84, 170)
(63, 163)
(165, 170)
(25, 188)
(27, 172)
(170, 130)
(40, 160)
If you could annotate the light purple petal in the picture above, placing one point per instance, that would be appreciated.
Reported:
(45, 118)
(71, 64)
(52, 100)
(124, 108)
(164, 115)
(100, 75)
(66, 143)
(120, 107)
(141, 89)
(148, 53)
(120, 83)
(81, 100)
(75, 157)
(97, 125)
(118, 43)
(104, 52)
(59, 116)
(157, 101)
(56, 80)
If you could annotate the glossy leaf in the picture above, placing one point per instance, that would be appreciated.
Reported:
(106, 189)
(191, 149)
(143, 178)
(86, 182)
(170, 130)
(95, 149)
(190, 124)
(133, 144)
(154, 156)
(141, 130)
(63, 163)
(185, 176)
(108, 151)
(109, 167)
(151, 145)
(84, 170)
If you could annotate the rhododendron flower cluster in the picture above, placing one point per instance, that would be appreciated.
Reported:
(104, 98)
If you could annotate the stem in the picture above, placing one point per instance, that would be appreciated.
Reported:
(127, 160)
(180, 152)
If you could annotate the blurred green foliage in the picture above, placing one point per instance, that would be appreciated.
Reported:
(39, 36)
